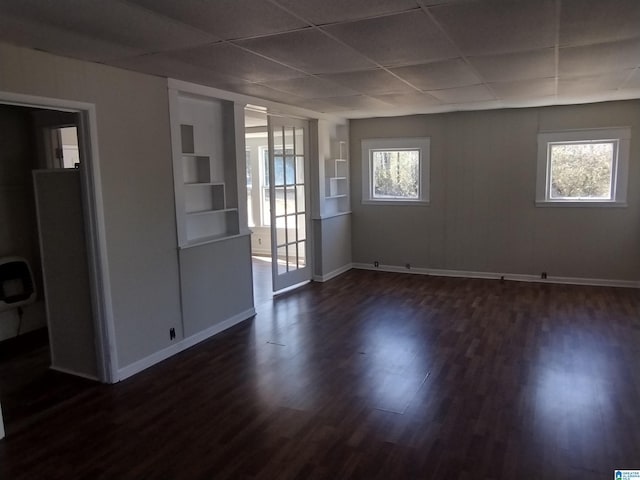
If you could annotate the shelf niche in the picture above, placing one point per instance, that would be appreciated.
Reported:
(204, 168)
(337, 182)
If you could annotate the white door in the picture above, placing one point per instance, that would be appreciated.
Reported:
(289, 201)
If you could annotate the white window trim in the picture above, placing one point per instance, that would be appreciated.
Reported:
(620, 167)
(422, 144)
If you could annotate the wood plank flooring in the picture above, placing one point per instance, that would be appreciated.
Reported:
(28, 388)
(371, 375)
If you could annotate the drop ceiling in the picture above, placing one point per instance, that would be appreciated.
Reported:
(355, 58)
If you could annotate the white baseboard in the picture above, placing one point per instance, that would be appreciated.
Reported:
(516, 277)
(144, 363)
(333, 274)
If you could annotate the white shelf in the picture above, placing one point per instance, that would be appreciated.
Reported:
(210, 239)
(210, 212)
(203, 184)
(337, 184)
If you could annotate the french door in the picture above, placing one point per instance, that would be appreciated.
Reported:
(289, 201)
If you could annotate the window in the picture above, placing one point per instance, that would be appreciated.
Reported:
(395, 171)
(280, 171)
(583, 167)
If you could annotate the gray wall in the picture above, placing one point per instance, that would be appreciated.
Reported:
(482, 216)
(135, 162)
(216, 283)
(332, 241)
(18, 231)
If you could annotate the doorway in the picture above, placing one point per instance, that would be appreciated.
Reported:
(277, 201)
(258, 204)
(55, 142)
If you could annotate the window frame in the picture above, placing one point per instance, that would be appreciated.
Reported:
(621, 136)
(263, 165)
(422, 144)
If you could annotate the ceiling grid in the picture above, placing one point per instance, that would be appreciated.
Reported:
(355, 58)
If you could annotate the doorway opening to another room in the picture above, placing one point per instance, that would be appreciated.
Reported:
(277, 154)
(56, 344)
(63, 150)
(258, 202)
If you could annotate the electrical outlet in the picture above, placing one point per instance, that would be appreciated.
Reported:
(259, 241)
(172, 333)
(376, 264)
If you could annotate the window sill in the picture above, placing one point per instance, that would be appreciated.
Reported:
(583, 204)
(415, 203)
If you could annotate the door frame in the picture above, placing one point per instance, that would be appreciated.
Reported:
(95, 230)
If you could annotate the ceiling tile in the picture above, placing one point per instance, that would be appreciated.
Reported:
(267, 93)
(539, 87)
(115, 22)
(165, 66)
(509, 67)
(231, 60)
(432, 3)
(481, 28)
(309, 50)
(596, 21)
(592, 84)
(59, 41)
(333, 11)
(397, 39)
(439, 75)
(228, 19)
(599, 58)
(370, 82)
(634, 80)
(409, 99)
(356, 102)
(311, 87)
(476, 93)
(320, 105)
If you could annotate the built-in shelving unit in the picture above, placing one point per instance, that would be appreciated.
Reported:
(204, 167)
(337, 182)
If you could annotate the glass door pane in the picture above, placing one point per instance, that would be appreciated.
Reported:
(289, 217)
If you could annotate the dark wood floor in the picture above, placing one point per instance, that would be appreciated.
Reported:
(28, 388)
(371, 375)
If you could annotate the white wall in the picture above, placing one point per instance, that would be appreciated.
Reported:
(482, 216)
(135, 163)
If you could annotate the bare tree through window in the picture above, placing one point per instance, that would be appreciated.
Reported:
(581, 170)
(396, 174)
